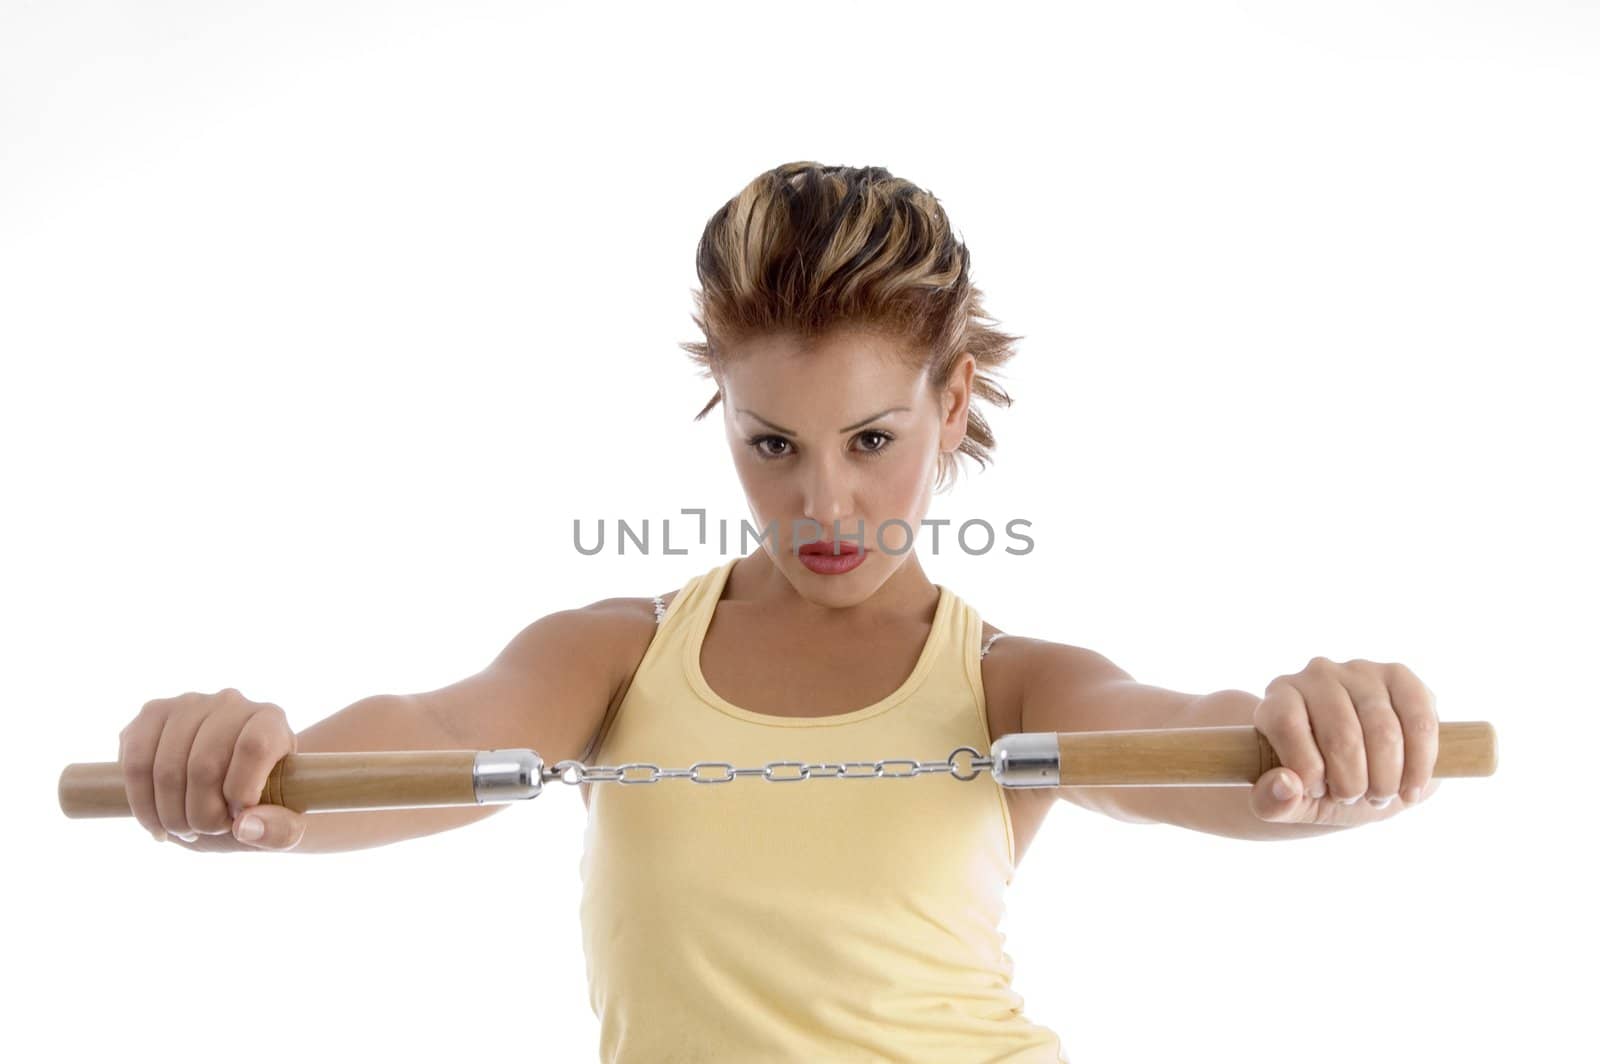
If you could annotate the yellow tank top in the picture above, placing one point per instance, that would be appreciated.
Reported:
(819, 920)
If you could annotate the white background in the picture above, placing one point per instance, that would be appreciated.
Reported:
(322, 322)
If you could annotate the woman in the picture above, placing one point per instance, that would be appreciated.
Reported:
(837, 920)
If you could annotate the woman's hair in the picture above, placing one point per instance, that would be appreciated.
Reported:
(806, 248)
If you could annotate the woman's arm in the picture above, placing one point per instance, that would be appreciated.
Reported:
(547, 690)
(1066, 688)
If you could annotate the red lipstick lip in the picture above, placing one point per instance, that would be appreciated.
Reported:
(826, 547)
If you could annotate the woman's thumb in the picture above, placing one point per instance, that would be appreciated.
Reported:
(269, 827)
(1276, 795)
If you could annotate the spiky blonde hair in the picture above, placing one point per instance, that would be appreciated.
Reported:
(806, 248)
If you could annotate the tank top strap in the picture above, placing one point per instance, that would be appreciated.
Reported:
(673, 620)
(692, 606)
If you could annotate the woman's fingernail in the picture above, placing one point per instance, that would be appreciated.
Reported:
(1414, 794)
(1352, 800)
(1281, 788)
(1380, 803)
(1319, 790)
(159, 836)
(250, 828)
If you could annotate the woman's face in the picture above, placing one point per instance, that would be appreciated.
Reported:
(845, 435)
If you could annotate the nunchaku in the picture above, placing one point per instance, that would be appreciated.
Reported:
(410, 779)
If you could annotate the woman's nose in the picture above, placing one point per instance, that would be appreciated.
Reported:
(827, 496)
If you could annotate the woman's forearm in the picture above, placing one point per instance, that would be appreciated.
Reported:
(379, 722)
(1216, 810)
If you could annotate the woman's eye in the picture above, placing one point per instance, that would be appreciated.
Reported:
(884, 436)
(759, 442)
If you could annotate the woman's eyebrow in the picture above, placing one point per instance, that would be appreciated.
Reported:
(847, 428)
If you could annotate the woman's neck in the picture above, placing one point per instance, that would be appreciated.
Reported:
(756, 579)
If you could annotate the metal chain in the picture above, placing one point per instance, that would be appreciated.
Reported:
(562, 771)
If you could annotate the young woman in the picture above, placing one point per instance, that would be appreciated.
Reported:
(836, 920)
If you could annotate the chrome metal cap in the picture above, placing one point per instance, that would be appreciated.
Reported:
(506, 775)
(1027, 759)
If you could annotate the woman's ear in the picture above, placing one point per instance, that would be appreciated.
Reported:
(955, 400)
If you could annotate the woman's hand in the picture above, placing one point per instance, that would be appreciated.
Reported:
(1344, 732)
(194, 768)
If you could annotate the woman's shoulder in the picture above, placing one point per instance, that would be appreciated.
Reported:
(1023, 654)
(1016, 665)
(620, 631)
(635, 614)
(1013, 664)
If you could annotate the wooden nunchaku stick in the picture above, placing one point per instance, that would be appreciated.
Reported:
(409, 779)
